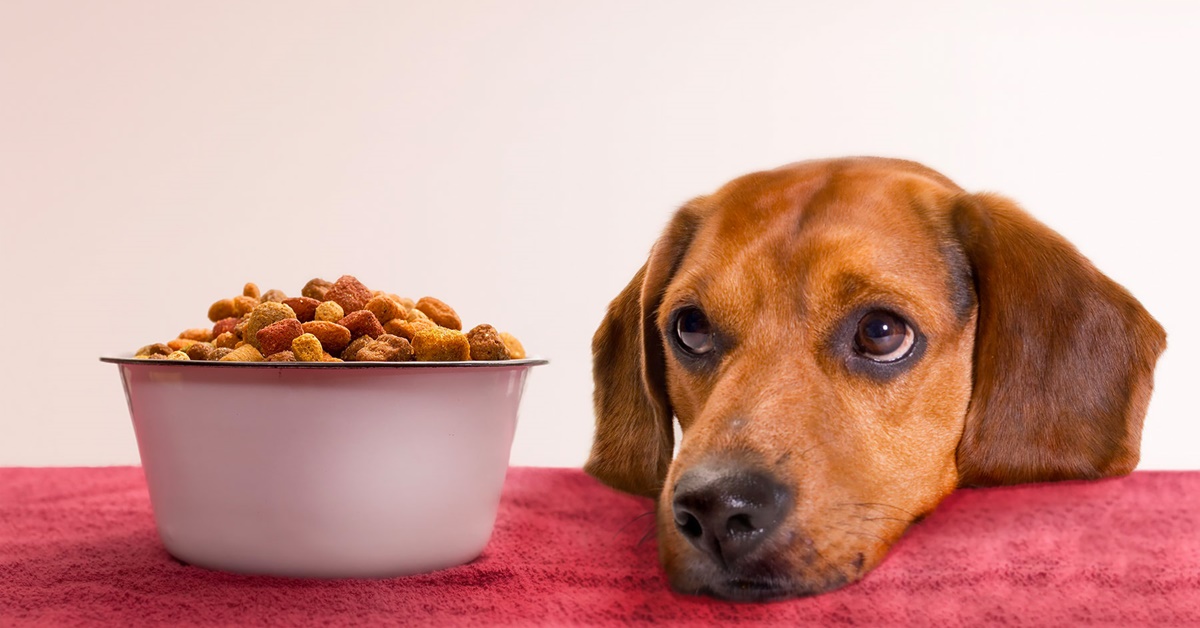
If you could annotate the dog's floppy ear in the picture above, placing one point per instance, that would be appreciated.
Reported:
(1064, 357)
(634, 431)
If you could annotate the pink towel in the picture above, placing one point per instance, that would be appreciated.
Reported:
(78, 546)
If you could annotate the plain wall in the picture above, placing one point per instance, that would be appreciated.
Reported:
(517, 159)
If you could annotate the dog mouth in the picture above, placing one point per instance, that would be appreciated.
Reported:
(751, 590)
(767, 578)
(763, 581)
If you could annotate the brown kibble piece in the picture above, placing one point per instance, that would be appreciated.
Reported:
(329, 311)
(180, 343)
(515, 350)
(407, 329)
(385, 308)
(349, 293)
(417, 315)
(178, 355)
(440, 313)
(243, 305)
(157, 348)
(362, 323)
(352, 349)
(199, 350)
(282, 356)
(219, 353)
(273, 296)
(278, 336)
(244, 353)
(307, 348)
(386, 348)
(224, 325)
(304, 307)
(201, 334)
(333, 337)
(439, 344)
(221, 309)
(486, 344)
(251, 290)
(315, 289)
(265, 314)
(227, 340)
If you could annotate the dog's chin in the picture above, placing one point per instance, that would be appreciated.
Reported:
(761, 583)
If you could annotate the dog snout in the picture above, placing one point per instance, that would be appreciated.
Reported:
(728, 512)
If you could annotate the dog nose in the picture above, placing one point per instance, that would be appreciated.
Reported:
(726, 513)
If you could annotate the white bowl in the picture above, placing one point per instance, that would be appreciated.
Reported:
(324, 470)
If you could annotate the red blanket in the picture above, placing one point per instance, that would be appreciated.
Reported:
(78, 546)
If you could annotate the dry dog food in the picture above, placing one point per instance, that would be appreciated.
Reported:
(334, 322)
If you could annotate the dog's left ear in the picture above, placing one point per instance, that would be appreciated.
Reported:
(634, 430)
(1064, 357)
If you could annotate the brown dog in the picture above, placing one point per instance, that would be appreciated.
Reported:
(843, 343)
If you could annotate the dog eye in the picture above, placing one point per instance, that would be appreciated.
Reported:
(694, 331)
(883, 337)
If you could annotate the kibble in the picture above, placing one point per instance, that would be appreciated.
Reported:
(349, 293)
(243, 305)
(202, 334)
(307, 348)
(199, 350)
(278, 336)
(157, 348)
(227, 340)
(304, 307)
(440, 313)
(316, 289)
(244, 353)
(329, 311)
(439, 344)
(350, 353)
(515, 350)
(282, 356)
(486, 344)
(333, 337)
(362, 323)
(386, 348)
(385, 308)
(224, 325)
(333, 322)
(264, 314)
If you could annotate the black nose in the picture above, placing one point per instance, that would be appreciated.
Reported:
(726, 512)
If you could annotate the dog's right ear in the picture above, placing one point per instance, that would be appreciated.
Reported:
(634, 431)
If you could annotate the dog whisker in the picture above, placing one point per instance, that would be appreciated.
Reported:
(631, 522)
(805, 452)
(884, 519)
(877, 505)
(858, 533)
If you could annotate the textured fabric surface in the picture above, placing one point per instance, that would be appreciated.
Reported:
(78, 546)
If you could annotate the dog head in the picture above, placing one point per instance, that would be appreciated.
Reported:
(843, 343)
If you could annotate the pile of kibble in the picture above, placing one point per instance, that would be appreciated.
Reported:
(343, 321)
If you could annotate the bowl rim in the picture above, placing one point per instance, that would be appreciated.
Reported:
(130, 360)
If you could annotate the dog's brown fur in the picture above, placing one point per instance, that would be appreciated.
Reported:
(1033, 365)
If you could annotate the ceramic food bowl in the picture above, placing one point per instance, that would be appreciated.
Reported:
(324, 470)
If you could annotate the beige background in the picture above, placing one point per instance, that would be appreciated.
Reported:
(517, 159)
